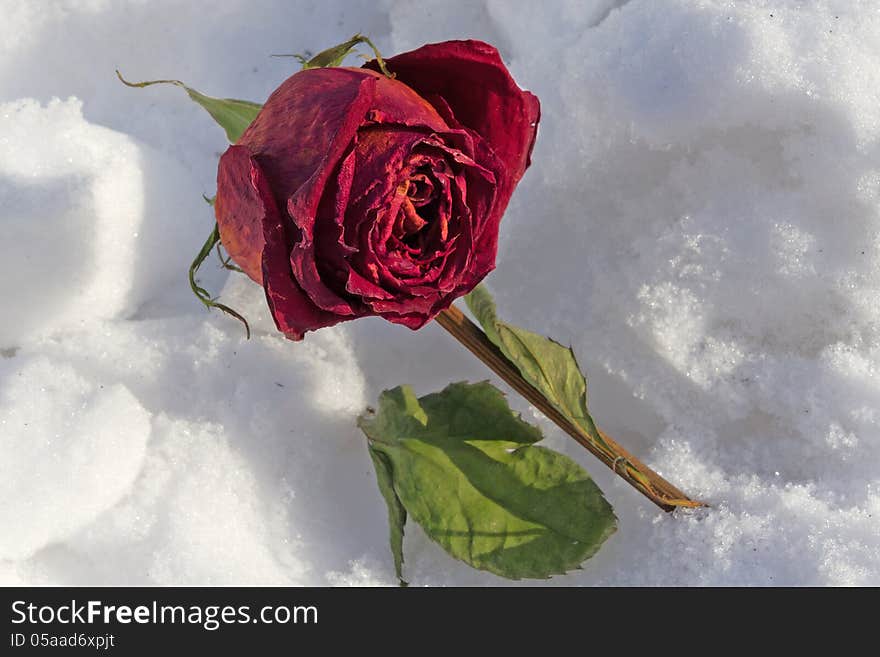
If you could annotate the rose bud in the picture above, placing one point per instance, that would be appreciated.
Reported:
(353, 194)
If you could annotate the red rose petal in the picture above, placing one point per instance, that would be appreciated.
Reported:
(473, 81)
(240, 210)
(293, 312)
(299, 123)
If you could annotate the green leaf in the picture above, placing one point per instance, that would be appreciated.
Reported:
(549, 366)
(396, 512)
(466, 469)
(234, 116)
(335, 55)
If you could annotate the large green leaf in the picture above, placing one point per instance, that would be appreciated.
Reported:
(466, 469)
(549, 366)
(234, 116)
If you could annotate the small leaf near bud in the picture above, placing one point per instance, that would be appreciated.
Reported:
(335, 55)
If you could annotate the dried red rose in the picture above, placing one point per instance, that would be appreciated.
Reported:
(353, 194)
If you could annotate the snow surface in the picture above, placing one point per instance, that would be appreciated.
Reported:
(701, 222)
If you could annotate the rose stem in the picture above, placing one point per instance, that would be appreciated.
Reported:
(621, 462)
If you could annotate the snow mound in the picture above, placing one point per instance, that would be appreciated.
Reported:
(91, 227)
(71, 449)
(251, 443)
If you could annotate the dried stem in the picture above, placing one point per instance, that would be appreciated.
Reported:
(624, 464)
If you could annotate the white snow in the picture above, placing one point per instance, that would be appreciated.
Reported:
(83, 239)
(59, 432)
(701, 222)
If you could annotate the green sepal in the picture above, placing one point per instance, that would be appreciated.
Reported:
(201, 293)
(335, 55)
(234, 116)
